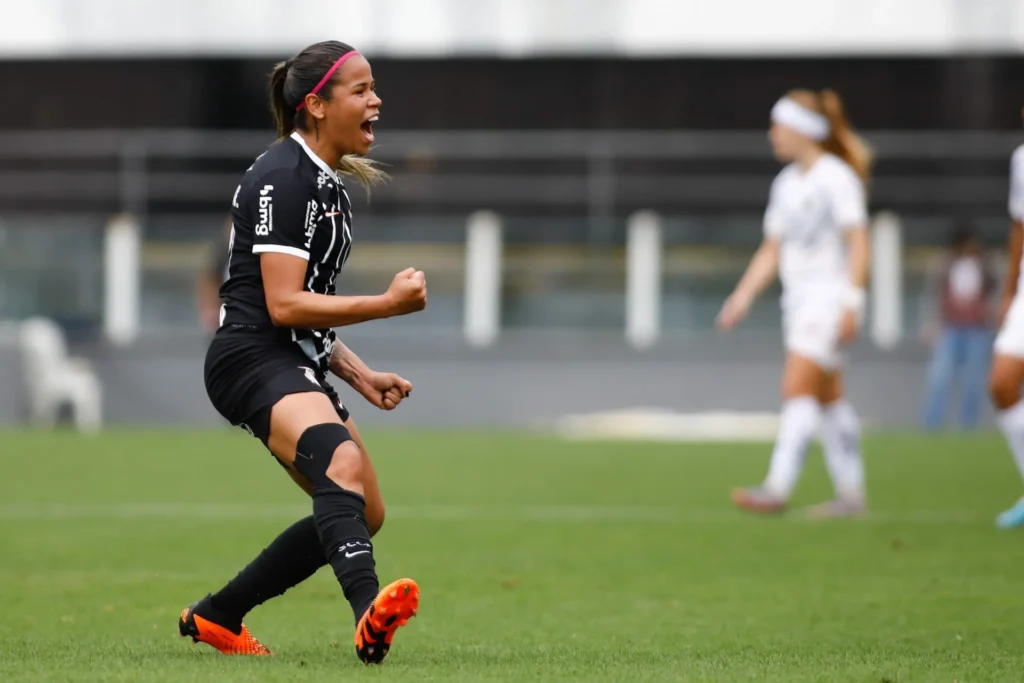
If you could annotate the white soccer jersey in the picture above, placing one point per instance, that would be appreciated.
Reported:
(1017, 184)
(809, 211)
(1010, 341)
(1016, 201)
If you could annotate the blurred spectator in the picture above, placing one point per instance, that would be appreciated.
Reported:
(959, 329)
(209, 281)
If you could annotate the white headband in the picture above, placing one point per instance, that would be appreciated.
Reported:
(789, 113)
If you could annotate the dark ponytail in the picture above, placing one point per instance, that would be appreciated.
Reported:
(295, 78)
(284, 116)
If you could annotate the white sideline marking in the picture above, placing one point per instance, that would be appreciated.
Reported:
(647, 423)
(533, 513)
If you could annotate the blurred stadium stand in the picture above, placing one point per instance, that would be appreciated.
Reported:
(563, 117)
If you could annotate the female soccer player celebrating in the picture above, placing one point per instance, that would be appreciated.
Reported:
(1007, 372)
(267, 364)
(815, 236)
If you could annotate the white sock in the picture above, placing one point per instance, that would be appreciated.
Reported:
(840, 438)
(1011, 422)
(797, 426)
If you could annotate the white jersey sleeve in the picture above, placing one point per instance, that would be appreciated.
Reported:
(846, 197)
(283, 209)
(1017, 185)
(774, 225)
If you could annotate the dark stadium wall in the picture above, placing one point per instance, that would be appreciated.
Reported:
(883, 93)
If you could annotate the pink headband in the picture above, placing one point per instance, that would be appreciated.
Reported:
(327, 77)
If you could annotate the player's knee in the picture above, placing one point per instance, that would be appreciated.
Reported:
(1004, 389)
(324, 454)
(796, 387)
(829, 395)
(346, 468)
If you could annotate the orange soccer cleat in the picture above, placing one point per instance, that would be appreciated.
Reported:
(393, 607)
(221, 638)
(758, 500)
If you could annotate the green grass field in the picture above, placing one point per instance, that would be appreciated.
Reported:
(538, 560)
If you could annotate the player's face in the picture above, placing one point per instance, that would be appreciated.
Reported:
(787, 144)
(353, 108)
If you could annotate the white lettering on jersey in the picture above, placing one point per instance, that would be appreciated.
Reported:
(266, 224)
(234, 200)
(310, 221)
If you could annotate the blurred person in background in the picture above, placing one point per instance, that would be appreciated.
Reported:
(961, 295)
(210, 279)
(266, 367)
(1008, 358)
(815, 238)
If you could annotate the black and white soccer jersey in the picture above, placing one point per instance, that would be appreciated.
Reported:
(289, 202)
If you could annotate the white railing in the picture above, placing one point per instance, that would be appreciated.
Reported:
(482, 289)
(482, 285)
(644, 254)
(886, 312)
(122, 280)
(597, 190)
(643, 279)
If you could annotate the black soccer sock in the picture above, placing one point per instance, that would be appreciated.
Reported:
(341, 522)
(294, 556)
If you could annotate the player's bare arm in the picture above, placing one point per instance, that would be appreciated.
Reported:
(383, 389)
(290, 305)
(760, 273)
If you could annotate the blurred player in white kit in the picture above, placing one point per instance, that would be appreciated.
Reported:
(816, 239)
(1008, 360)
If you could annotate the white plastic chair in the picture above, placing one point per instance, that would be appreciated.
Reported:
(53, 378)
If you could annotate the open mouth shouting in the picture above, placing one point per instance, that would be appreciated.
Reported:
(367, 128)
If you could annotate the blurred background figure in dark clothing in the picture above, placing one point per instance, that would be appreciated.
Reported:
(960, 329)
(209, 280)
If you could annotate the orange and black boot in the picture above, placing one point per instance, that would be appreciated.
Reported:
(199, 622)
(393, 607)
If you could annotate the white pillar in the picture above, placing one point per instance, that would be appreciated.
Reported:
(887, 280)
(122, 276)
(482, 295)
(643, 279)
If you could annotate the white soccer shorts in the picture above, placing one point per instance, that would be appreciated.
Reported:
(812, 331)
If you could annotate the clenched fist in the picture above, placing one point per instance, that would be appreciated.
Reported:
(408, 292)
(383, 389)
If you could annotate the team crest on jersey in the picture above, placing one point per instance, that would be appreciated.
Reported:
(310, 375)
